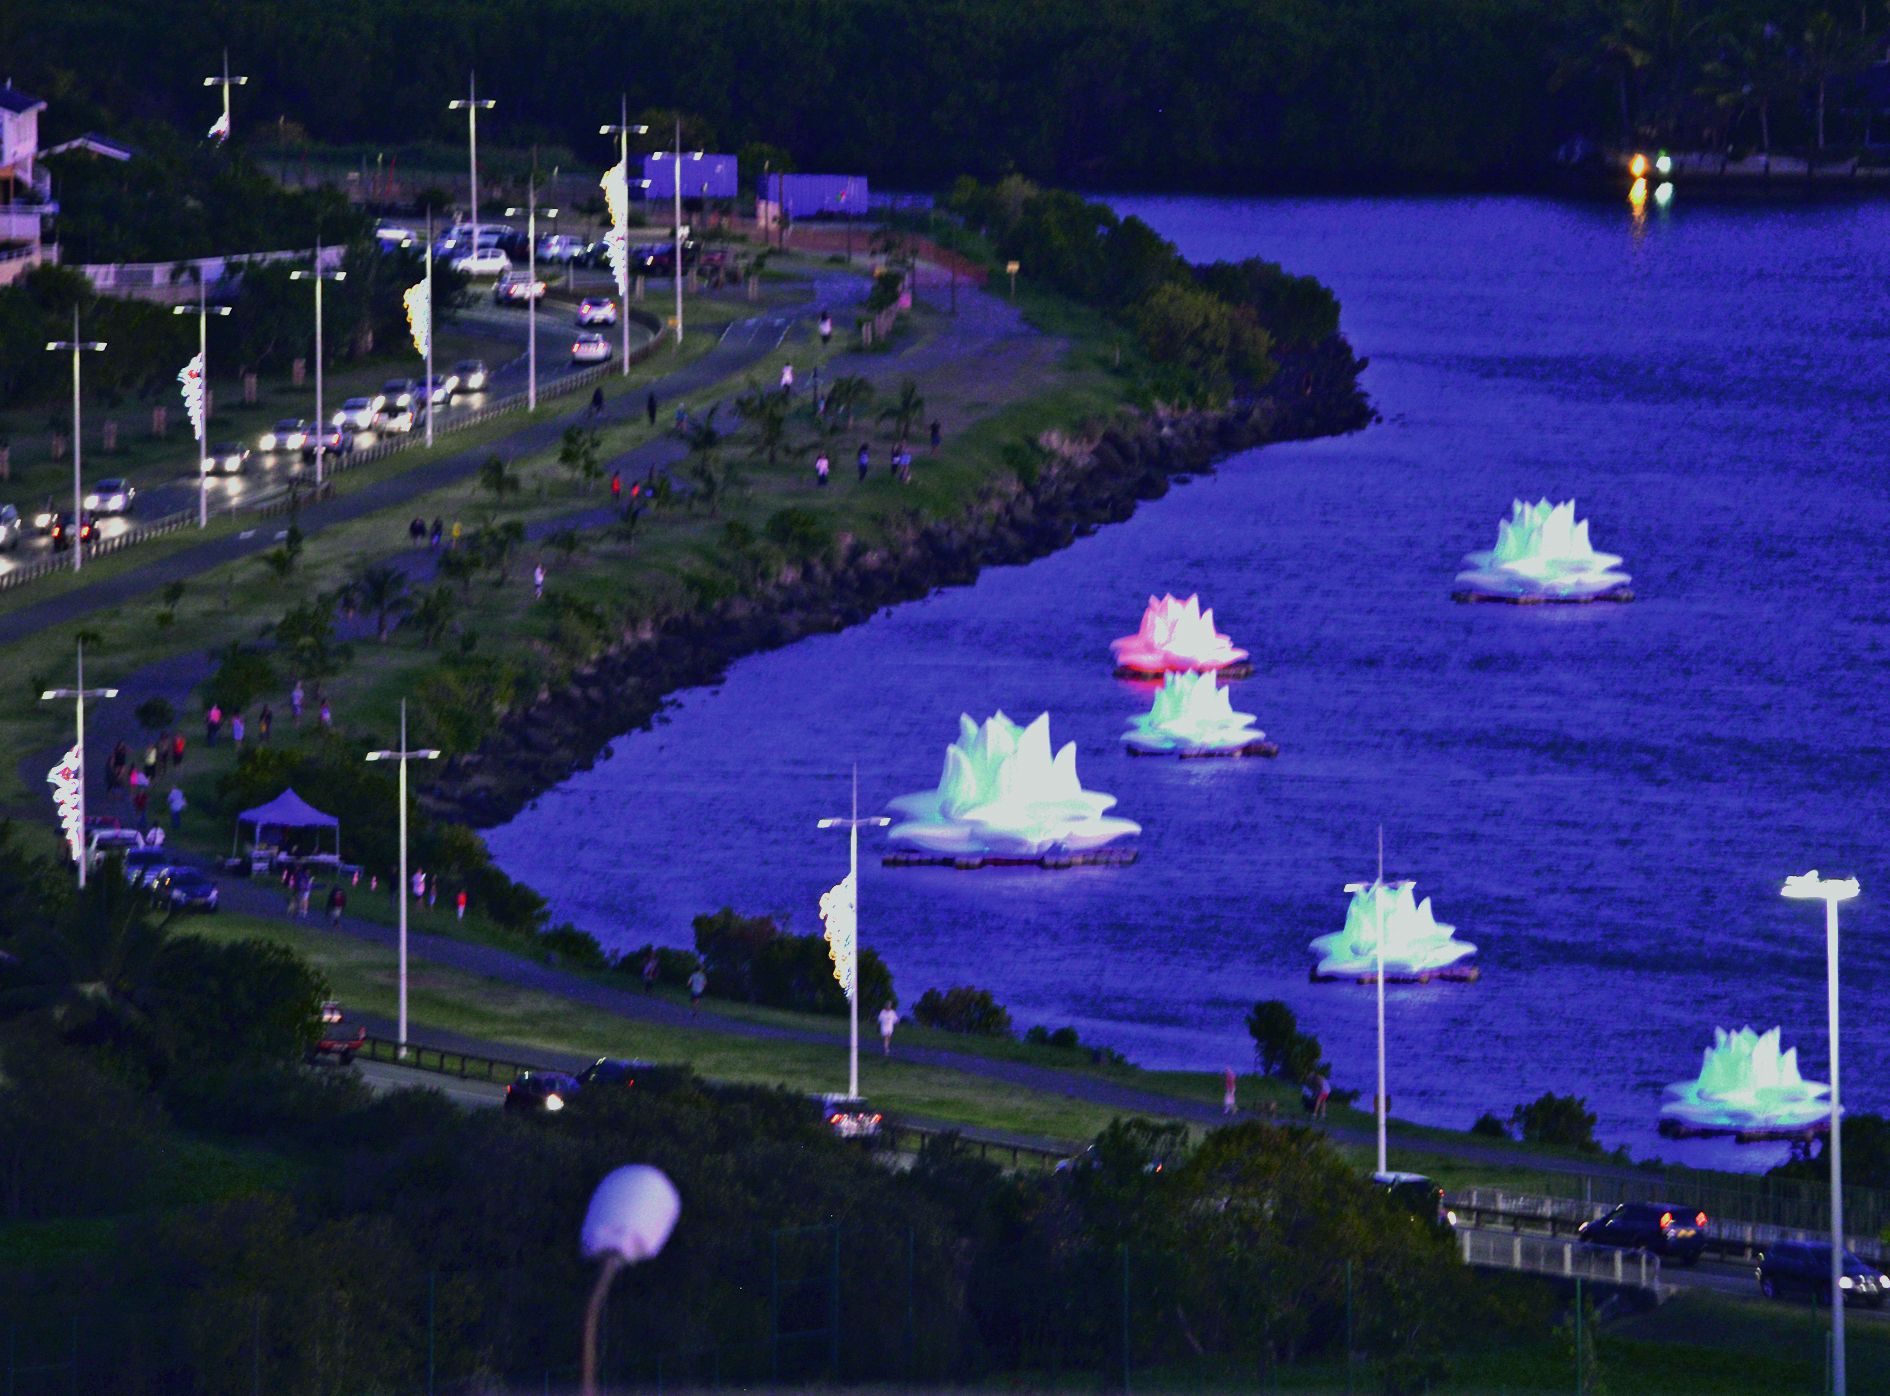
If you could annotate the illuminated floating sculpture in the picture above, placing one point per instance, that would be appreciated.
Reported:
(1178, 637)
(1417, 946)
(1542, 554)
(1003, 798)
(1194, 716)
(1748, 1088)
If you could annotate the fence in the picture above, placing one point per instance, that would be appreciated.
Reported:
(178, 281)
(1568, 1260)
(443, 1061)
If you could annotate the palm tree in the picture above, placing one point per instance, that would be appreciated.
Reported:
(768, 413)
(497, 479)
(1830, 53)
(1755, 69)
(704, 440)
(907, 412)
(495, 543)
(382, 589)
(434, 614)
(86, 966)
(578, 454)
(847, 394)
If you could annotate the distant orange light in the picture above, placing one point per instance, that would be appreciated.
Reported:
(1700, 1220)
(1637, 166)
(1638, 194)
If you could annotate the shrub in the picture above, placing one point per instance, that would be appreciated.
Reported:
(244, 673)
(1296, 311)
(155, 714)
(1488, 1126)
(673, 967)
(574, 947)
(963, 1009)
(1279, 1047)
(800, 534)
(251, 1001)
(1558, 1121)
(751, 958)
(1041, 1036)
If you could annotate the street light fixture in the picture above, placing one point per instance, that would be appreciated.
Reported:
(842, 905)
(472, 104)
(79, 695)
(1382, 1103)
(1831, 890)
(677, 155)
(77, 346)
(201, 425)
(623, 130)
(403, 755)
(532, 214)
(221, 130)
(317, 275)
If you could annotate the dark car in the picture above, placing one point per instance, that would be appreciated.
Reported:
(541, 1092)
(147, 865)
(1659, 1228)
(1804, 1267)
(611, 1071)
(184, 889)
(1418, 1195)
(62, 530)
(850, 1117)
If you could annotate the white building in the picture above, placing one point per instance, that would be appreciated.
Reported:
(25, 188)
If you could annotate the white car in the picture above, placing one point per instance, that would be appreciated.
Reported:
(357, 413)
(397, 392)
(391, 235)
(590, 349)
(12, 526)
(517, 290)
(111, 497)
(597, 310)
(399, 419)
(289, 434)
(470, 376)
(487, 261)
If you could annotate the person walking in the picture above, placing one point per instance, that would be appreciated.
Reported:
(651, 968)
(337, 903)
(1319, 1091)
(456, 533)
(296, 699)
(264, 721)
(236, 729)
(649, 406)
(435, 533)
(177, 750)
(826, 327)
(787, 380)
(888, 1020)
(1228, 1083)
(937, 436)
(115, 766)
(304, 889)
(866, 460)
(821, 467)
(150, 763)
(417, 531)
(327, 714)
(597, 402)
(538, 582)
(682, 416)
(419, 881)
(212, 724)
(177, 802)
(616, 488)
(698, 986)
(459, 905)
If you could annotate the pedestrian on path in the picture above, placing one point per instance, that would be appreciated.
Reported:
(140, 800)
(698, 986)
(866, 460)
(682, 416)
(1318, 1091)
(337, 903)
(616, 488)
(150, 763)
(455, 542)
(651, 968)
(419, 881)
(236, 729)
(177, 802)
(787, 380)
(434, 534)
(821, 467)
(264, 721)
(212, 724)
(826, 326)
(937, 436)
(538, 582)
(417, 531)
(1228, 1083)
(177, 750)
(327, 714)
(888, 1020)
(649, 405)
(296, 698)
(459, 905)
(597, 402)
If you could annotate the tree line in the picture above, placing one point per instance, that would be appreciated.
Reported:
(1210, 94)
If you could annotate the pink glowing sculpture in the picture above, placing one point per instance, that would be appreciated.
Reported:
(1177, 637)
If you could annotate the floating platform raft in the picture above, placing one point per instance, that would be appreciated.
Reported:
(1746, 1134)
(1203, 753)
(1618, 594)
(1242, 669)
(1456, 974)
(1094, 858)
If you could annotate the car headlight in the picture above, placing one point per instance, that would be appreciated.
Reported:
(91, 501)
(1846, 1282)
(267, 441)
(1450, 1218)
(554, 1102)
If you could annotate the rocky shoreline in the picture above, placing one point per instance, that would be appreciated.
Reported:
(1081, 485)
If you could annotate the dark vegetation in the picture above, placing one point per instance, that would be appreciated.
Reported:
(752, 959)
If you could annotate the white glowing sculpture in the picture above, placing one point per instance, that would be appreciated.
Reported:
(1542, 554)
(1417, 945)
(631, 1214)
(1003, 793)
(616, 182)
(1176, 635)
(65, 780)
(418, 299)
(1747, 1083)
(1194, 716)
(840, 914)
(190, 381)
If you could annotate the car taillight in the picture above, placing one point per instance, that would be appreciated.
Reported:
(1666, 1220)
(1700, 1221)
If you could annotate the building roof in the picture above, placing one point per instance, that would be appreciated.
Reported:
(92, 143)
(15, 101)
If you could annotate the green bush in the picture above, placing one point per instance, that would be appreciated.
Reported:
(1558, 1121)
(244, 673)
(963, 1009)
(673, 967)
(251, 1001)
(751, 958)
(1296, 311)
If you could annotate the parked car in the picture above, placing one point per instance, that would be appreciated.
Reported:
(611, 1071)
(392, 235)
(12, 526)
(398, 392)
(597, 310)
(289, 434)
(227, 458)
(590, 349)
(1420, 1196)
(1804, 1267)
(103, 843)
(540, 1091)
(559, 247)
(487, 261)
(336, 1037)
(517, 290)
(1659, 1228)
(470, 376)
(146, 865)
(114, 496)
(849, 1117)
(184, 889)
(357, 414)
(62, 531)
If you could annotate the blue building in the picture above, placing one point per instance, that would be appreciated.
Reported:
(703, 177)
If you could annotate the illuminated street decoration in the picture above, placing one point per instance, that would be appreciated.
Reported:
(839, 913)
(418, 299)
(1177, 636)
(1542, 553)
(1746, 1082)
(1416, 944)
(64, 779)
(190, 380)
(616, 182)
(1194, 716)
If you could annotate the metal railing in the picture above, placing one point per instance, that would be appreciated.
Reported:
(1539, 1255)
(443, 1061)
(987, 1144)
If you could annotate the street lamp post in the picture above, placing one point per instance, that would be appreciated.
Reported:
(204, 312)
(427, 396)
(623, 130)
(318, 276)
(853, 824)
(1382, 1103)
(532, 213)
(403, 755)
(677, 155)
(221, 130)
(472, 104)
(79, 695)
(1831, 890)
(77, 346)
